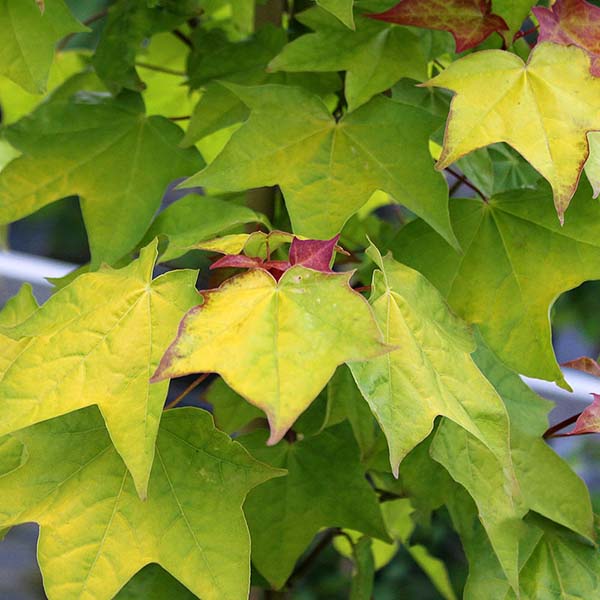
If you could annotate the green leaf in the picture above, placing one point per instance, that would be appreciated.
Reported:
(154, 583)
(554, 564)
(290, 139)
(230, 411)
(517, 260)
(216, 60)
(129, 23)
(94, 538)
(285, 514)
(364, 570)
(375, 56)
(514, 12)
(97, 341)
(21, 60)
(275, 343)
(118, 160)
(341, 9)
(345, 398)
(197, 218)
(431, 373)
(549, 486)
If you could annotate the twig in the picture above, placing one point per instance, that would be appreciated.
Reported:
(552, 430)
(438, 64)
(160, 69)
(521, 34)
(187, 390)
(308, 562)
(182, 118)
(470, 185)
(184, 38)
(95, 17)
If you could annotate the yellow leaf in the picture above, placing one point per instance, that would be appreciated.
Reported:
(275, 343)
(543, 108)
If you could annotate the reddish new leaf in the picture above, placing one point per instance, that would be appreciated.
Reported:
(239, 261)
(585, 364)
(469, 21)
(572, 23)
(313, 254)
(589, 419)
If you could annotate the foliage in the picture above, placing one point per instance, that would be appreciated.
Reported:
(361, 324)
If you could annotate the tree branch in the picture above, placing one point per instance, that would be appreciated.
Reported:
(468, 183)
(187, 390)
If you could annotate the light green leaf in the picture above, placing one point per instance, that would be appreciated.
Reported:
(154, 583)
(342, 9)
(94, 538)
(285, 514)
(517, 260)
(290, 139)
(431, 373)
(375, 56)
(194, 219)
(108, 152)
(275, 343)
(97, 341)
(29, 37)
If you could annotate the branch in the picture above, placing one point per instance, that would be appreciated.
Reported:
(184, 38)
(187, 390)
(468, 183)
(160, 69)
(305, 566)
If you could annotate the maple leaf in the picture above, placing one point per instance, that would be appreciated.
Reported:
(275, 343)
(83, 347)
(585, 364)
(409, 387)
(572, 22)
(68, 148)
(95, 538)
(522, 260)
(285, 514)
(26, 63)
(500, 98)
(292, 140)
(589, 420)
(375, 56)
(469, 21)
(313, 254)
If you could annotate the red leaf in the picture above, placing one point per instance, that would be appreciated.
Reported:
(313, 254)
(572, 22)
(238, 261)
(469, 21)
(589, 419)
(585, 364)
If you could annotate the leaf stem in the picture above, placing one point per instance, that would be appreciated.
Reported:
(521, 34)
(468, 183)
(184, 38)
(159, 68)
(551, 431)
(187, 390)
